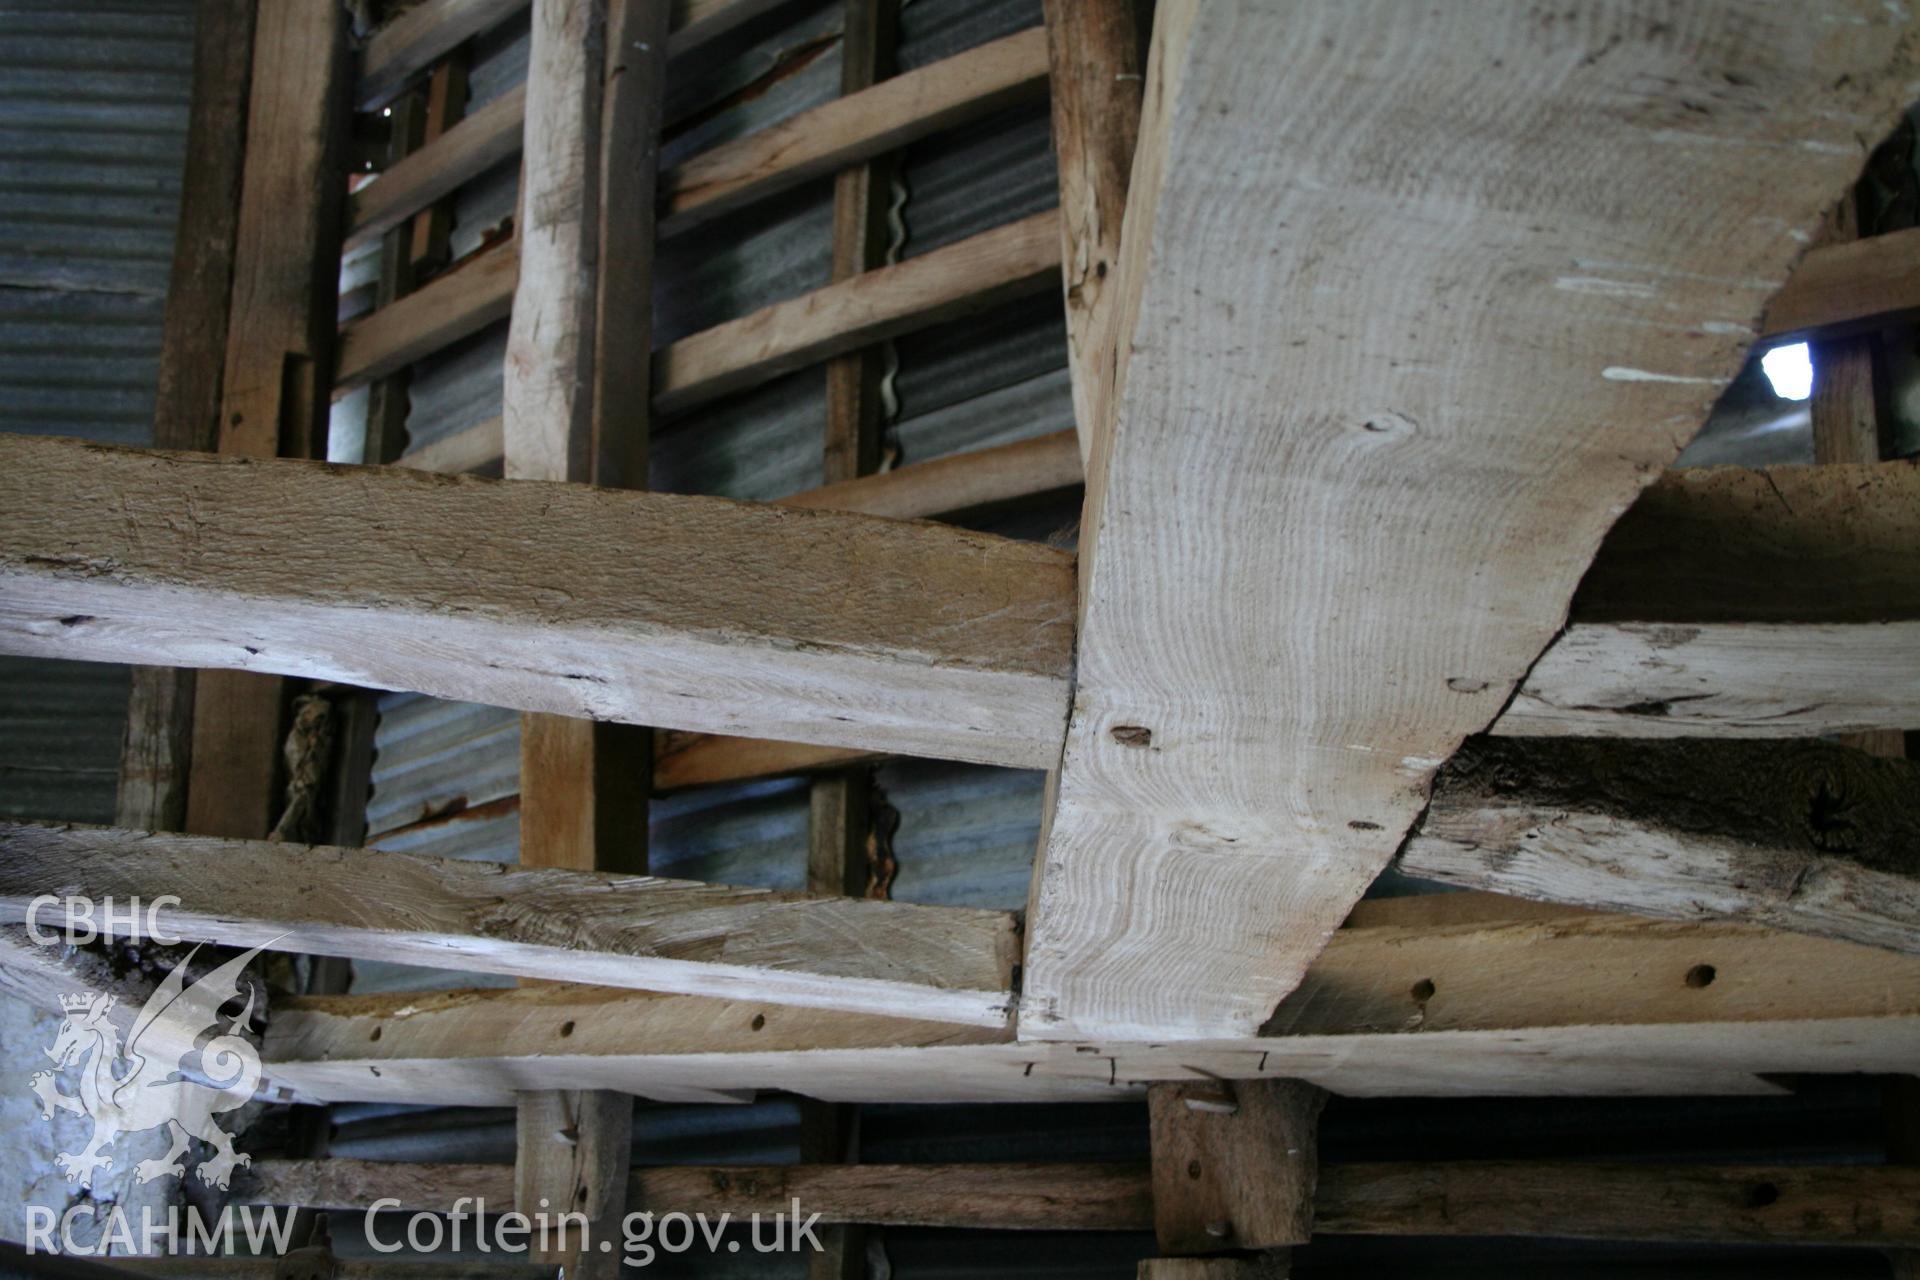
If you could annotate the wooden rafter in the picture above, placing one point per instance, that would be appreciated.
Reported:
(1351, 483)
(946, 964)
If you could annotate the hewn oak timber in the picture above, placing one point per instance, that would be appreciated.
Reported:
(1558, 1002)
(156, 752)
(858, 126)
(1849, 1205)
(1234, 1165)
(839, 812)
(944, 284)
(575, 408)
(1849, 287)
(572, 1152)
(1234, 777)
(638, 931)
(278, 354)
(942, 487)
(1093, 50)
(463, 301)
(1806, 836)
(1001, 1197)
(1783, 602)
(696, 613)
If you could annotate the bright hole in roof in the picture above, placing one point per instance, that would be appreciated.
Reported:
(1790, 370)
(386, 111)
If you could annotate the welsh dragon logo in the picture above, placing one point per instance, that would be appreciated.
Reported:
(150, 1088)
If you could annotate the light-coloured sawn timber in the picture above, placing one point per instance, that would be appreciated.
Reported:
(1809, 836)
(1379, 400)
(943, 964)
(1849, 1205)
(694, 613)
(1557, 1001)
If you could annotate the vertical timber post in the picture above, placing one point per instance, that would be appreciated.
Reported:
(575, 408)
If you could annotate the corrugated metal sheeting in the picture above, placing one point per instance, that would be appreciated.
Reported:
(93, 125)
(94, 100)
(446, 774)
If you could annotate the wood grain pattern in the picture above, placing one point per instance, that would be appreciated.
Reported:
(944, 284)
(1548, 1004)
(574, 411)
(1781, 602)
(1854, 1205)
(1849, 287)
(463, 153)
(1093, 51)
(1234, 1179)
(1338, 336)
(637, 931)
(1805, 836)
(857, 127)
(990, 1196)
(476, 293)
(572, 1152)
(695, 613)
(417, 38)
(156, 752)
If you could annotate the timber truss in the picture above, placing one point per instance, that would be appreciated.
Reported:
(1377, 386)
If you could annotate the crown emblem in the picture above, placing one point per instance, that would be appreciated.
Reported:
(79, 1002)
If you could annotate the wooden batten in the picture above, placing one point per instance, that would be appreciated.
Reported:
(863, 123)
(956, 280)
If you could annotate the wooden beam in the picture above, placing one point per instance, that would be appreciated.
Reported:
(1846, 1205)
(1782, 602)
(576, 409)
(1235, 777)
(1838, 1205)
(273, 388)
(1550, 1003)
(1093, 50)
(156, 752)
(696, 613)
(1847, 288)
(862, 124)
(635, 931)
(1805, 836)
(1234, 1165)
(998, 1197)
(840, 818)
(944, 284)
